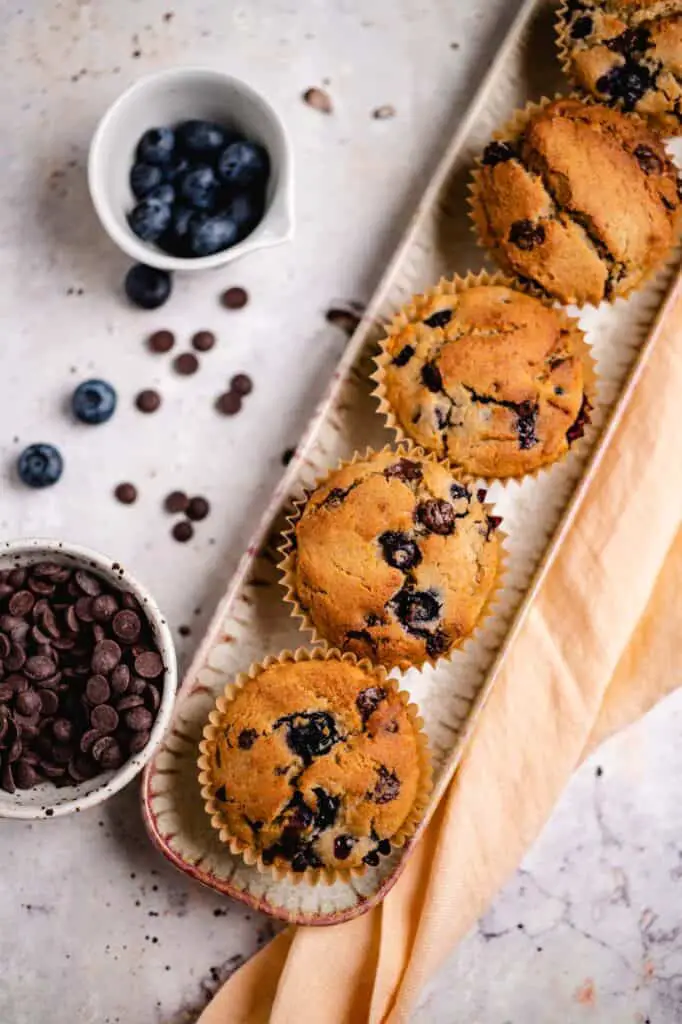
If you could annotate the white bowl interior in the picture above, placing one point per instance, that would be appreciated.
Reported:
(47, 800)
(166, 99)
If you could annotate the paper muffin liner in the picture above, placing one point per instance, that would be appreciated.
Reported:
(512, 129)
(250, 855)
(455, 286)
(287, 550)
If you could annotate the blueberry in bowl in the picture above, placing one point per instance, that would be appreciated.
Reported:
(180, 148)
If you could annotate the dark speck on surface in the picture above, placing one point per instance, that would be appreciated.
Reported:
(287, 456)
(599, 771)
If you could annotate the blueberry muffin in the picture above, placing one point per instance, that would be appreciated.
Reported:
(490, 378)
(315, 765)
(627, 53)
(579, 200)
(394, 559)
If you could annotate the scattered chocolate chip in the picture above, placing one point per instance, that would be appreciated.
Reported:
(229, 403)
(62, 730)
(138, 719)
(126, 493)
(97, 690)
(203, 341)
(21, 603)
(234, 298)
(186, 364)
(183, 531)
(525, 235)
(405, 470)
(384, 112)
(149, 665)
(138, 741)
(106, 657)
(120, 678)
(148, 400)
(126, 626)
(242, 384)
(104, 607)
(38, 667)
(176, 501)
(437, 516)
(318, 99)
(198, 509)
(104, 718)
(28, 703)
(161, 341)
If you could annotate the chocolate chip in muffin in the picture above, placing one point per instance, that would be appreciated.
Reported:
(437, 516)
(399, 550)
(431, 377)
(405, 470)
(246, 739)
(403, 357)
(526, 235)
(441, 318)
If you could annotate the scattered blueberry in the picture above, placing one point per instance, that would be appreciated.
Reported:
(199, 187)
(40, 465)
(143, 178)
(203, 138)
(163, 193)
(243, 164)
(208, 235)
(156, 146)
(147, 287)
(93, 401)
(149, 219)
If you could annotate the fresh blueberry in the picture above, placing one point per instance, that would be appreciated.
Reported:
(40, 465)
(244, 164)
(246, 210)
(93, 401)
(199, 187)
(147, 287)
(164, 193)
(176, 239)
(175, 169)
(149, 219)
(211, 234)
(204, 138)
(156, 146)
(143, 178)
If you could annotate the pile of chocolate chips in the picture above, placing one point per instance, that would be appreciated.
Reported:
(80, 676)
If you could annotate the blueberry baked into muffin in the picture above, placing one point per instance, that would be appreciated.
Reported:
(492, 379)
(393, 558)
(627, 53)
(578, 200)
(315, 764)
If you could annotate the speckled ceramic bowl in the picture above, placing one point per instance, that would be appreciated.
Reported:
(47, 800)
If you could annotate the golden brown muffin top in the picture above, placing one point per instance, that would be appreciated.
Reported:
(395, 559)
(628, 53)
(489, 378)
(583, 203)
(316, 764)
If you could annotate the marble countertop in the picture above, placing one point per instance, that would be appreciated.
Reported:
(94, 925)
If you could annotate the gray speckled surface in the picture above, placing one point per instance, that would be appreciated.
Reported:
(95, 927)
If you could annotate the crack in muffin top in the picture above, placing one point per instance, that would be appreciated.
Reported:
(394, 559)
(497, 388)
(628, 53)
(316, 764)
(583, 203)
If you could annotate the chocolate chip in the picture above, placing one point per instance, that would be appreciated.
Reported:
(6, 693)
(25, 774)
(242, 384)
(21, 602)
(176, 501)
(104, 718)
(234, 298)
(440, 318)
(138, 741)
(126, 493)
(17, 577)
(97, 690)
(49, 702)
(149, 665)
(126, 626)
(198, 509)
(120, 679)
(647, 160)
(106, 657)
(203, 341)
(28, 703)
(101, 745)
(525, 235)
(83, 609)
(403, 357)
(131, 700)
(161, 341)
(318, 99)
(183, 531)
(88, 583)
(104, 607)
(186, 364)
(247, 738)
(138, 719)
(88, 739)
(148, 400)
(62, 730)
(137, 686)
(437, 516)
(431, 377)
(7, 779)
(152, 697)
(229, 403)
(111, 757)
(404, 469)
(16, 659)
(39, 667)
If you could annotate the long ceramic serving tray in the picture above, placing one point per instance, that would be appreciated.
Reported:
(252, 619)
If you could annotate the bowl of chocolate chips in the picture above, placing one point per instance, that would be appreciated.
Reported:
(87, 678)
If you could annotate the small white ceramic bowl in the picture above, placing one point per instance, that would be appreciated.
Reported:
(166, 98)
(47, 800)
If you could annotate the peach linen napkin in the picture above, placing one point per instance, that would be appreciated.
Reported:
(599, 647)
